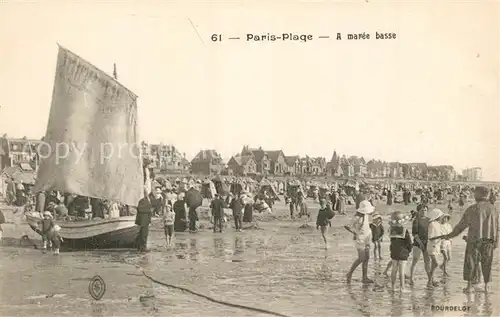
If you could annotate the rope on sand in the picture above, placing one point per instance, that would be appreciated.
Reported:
(259, 310)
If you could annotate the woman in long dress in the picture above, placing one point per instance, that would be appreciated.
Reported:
(180, 214)
(341, 203)
(248, 209)
(389, 197)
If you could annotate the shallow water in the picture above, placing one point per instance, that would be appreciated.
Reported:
(281, 268)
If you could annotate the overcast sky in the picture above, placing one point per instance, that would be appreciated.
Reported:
(430, 96)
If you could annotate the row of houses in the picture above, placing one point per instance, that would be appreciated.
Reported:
(253, 161)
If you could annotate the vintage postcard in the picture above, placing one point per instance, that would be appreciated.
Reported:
(249, 158)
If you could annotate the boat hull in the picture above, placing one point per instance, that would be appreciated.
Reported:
(124, 238)
(116, 233)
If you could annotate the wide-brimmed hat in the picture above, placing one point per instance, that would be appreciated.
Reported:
(421, 207)
(47, 213)
(322, 201)
(376, 216)
(446, 215)
(365, 207)
(397, 215)
(435, 214)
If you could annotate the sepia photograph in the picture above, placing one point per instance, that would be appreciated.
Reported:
(249, 158)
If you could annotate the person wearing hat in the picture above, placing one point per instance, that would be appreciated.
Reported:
(445, 243)
(360, 228)
(143, 220)
(434, 245)
(325, 213)
(236, 206)
(377, 235)
(493, 196)
(248, 209)
(217, 207)
(170, 197)
(11, 191)
(481, 219)
(179, 207)
(400, 248)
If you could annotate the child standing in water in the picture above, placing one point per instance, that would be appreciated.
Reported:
(325, 213)
(360, 228)
(168, 222)
(434, 245)
(400, 248)
(445, 243)
(377, 235)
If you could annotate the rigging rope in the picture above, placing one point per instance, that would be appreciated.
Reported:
(259, 310)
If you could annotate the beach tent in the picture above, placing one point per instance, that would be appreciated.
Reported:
(20, 175)
(221, 185)
(208, 189)
(267, 186)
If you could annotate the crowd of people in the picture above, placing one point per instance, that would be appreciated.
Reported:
(178, 214)
(430, 237)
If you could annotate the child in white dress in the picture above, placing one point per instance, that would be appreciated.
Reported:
(445, 243)
(434, 245)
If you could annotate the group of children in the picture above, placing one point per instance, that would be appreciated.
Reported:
(366, 232)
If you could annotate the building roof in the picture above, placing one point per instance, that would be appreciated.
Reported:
(242, 159)
(273, 155)
(258, 153)
(345, 161)
(291, 160)
(419, 165)
(207, 155)
(357, 160)
(335, 157)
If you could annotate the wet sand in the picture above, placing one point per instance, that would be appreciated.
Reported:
(281, 267)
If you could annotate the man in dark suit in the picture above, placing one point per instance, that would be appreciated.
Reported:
(237, 208)
(143, 220)
(217, 207)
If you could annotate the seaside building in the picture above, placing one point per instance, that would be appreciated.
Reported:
(293, 163)
(14, 152)
(165, 158)
(261, 158)
(207, 162)
(472, 174)
(242, 165)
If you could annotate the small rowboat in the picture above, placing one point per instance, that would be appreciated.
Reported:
(99, 234)
(118, 233)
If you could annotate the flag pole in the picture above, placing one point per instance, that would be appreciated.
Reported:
(115, 74)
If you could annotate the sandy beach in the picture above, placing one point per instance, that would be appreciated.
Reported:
(278, 266)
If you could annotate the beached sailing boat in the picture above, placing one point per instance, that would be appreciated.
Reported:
(91, 149)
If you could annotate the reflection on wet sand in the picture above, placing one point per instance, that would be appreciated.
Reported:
(284, 272)
(361, 299)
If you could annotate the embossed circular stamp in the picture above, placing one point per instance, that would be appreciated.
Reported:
(97, 287)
